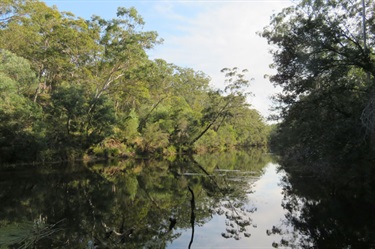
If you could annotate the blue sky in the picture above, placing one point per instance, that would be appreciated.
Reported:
(206, 35)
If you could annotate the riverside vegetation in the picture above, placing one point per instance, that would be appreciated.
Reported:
(325, 62)
(323, 54)
(72, 88)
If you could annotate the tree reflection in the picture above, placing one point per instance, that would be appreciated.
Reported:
(327, 215)
(128, 204)
(230, 178)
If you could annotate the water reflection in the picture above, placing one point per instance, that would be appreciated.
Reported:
(132, 204)
(238, 200)
(243, 224)
(330, 215)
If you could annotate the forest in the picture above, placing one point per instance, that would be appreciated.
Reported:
(324, 57)
(76, 89)
(73, 89)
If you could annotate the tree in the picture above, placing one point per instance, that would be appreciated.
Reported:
(318, 43)
(56, 43)
(327, 75)
(74, 123)
(122, 51)
(222, 107)
(93, 86)
(19, 117)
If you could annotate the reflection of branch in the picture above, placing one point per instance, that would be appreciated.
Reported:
(208, 174)
(237, 217)
(93, 209)
(214, 181)
(192, 215)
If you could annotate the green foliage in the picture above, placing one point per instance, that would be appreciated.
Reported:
(209, 142)
(110, 148)
(79, 121)
(327, 73)
(18, 115)
(153, 139)
(18, 69)
(127, 127)
(220, 108)
(227, 136)
(82, 84)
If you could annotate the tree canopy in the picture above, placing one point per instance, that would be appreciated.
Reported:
(323, 54)
(74, 87)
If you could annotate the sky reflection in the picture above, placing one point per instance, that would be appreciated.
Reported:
(265, 199)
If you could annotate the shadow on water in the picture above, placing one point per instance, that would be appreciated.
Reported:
(335, 213)
(124, 204)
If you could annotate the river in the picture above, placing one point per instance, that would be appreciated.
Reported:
(228, 200)
(264, 199)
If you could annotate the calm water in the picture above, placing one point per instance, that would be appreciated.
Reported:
(263, 200)
(238, 200)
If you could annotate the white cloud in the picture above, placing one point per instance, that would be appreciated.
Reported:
(222, 35)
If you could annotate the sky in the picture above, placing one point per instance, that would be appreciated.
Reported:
(205, 35)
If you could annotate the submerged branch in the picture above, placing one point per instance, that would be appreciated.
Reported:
(192, 216)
